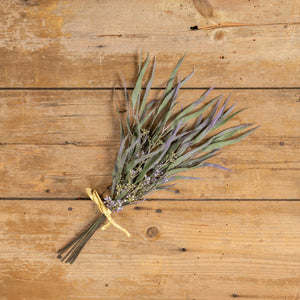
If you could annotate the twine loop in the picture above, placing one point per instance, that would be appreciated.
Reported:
(94, 196)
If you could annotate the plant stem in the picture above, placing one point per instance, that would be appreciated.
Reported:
(76, 245)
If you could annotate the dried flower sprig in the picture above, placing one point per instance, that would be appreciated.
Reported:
(157, 144)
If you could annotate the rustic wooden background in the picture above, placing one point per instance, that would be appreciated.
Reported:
(233, 235)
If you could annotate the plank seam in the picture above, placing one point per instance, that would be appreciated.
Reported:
(155, 200)
(131, 88)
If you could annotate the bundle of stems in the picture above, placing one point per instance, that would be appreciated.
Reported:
(73, 249)
(157, 143)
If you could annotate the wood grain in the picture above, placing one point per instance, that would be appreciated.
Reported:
(238, 43)
(178, 250)
(56, 143)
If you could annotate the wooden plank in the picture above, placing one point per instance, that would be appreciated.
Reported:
(196, 250)
(56, 143)
(238, 43)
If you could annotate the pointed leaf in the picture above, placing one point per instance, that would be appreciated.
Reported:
(149, 85)
(228, 142)
(137, 89)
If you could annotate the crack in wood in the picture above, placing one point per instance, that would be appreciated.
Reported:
(230, 25)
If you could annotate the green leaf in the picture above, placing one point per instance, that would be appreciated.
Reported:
(178, 170)
(122, 131)
(117, 169)
(224, 120)
(209, 122)
(128, 107)
(189, 154)
(145, 158)
(191, 107)
(219, 145)
(179, 177)
(199, 160)
(173, 94)
(172, 77)
(148, 112)
(186, 118)
(156, 160)
(149, 85)
(137, 89)
(228, 133)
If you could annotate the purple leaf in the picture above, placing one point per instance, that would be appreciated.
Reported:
(215, 166)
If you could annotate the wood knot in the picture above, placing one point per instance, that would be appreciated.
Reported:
(152, 232)
(219, 35)
(204, 8)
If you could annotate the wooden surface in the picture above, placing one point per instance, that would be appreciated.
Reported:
(57, 142)
(233, 235)
(74, 43)
(178, 250)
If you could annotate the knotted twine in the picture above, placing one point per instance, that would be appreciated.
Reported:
(94, 196)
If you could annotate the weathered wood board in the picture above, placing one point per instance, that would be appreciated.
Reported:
(88, 43)
(56, 143)
(178, 250)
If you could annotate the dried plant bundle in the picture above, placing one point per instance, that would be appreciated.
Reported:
(158, 143)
